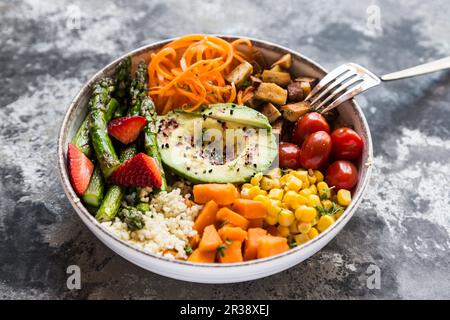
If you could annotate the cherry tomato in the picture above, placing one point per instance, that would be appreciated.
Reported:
(309, 123)
(342, 174)
(289, 155)
(347, 144)
(315, 150)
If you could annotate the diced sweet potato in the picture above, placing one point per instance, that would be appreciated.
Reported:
(270, 246)
(293, 111)
(250, 209)
(256, 223)
(271, 92)
(211, 239)
(202, 256)
(284, 62)
(295, 92)
(279, 77)
(251, 243)
(229, 216)
(222, 194)
(271, 112)
(230, 253)
(232, 233)
(194, 241)
(206, 217)
(239, 74)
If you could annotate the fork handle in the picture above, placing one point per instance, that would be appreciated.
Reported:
(433, 66)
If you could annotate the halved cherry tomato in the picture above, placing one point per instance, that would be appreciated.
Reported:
(289, 155)
(347, 144)
(342, 174)
(315, 150)
(309, 123)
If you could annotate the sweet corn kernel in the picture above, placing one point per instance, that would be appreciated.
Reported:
(325, 222)
(313, 189)
(256, 179)
(286, 217)
(289, 197)
(271, 220)
(312, 178)
(305, 192)
(293, 228)
(294, 183)
(324, 190)
(305, 213)
(338, 214)
(284, 231)
(274, 208)
(245, 193)
(253, 191)
(266, 183)
(327, 204)
(303, 227)
(301, 238)
(318, 175)
(284, 179)
(276, 194)
(313, 233)
(274, 173)
(344, 197)
(313, 201)
(246, 186)
(264, 199)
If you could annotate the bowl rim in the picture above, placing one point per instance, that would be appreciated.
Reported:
(81, 210)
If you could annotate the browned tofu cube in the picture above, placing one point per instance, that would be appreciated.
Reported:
(241, 73)
(280, 78)
(293, 111)
(284, 62)
(271, 92)
(295, 92)
(277, 127)
(271, 112)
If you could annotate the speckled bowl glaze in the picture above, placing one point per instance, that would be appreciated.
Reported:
(350, 112)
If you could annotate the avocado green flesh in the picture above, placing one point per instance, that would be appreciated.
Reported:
(201, 164)
(231, 112)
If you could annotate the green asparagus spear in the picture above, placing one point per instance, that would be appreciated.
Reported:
(113, 197)
(150, 143)
(122, 86)
(93, 195)
(103, 147)
(81, 138)
(132, 217)
(138, 89)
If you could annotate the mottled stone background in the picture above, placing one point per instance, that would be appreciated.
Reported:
(402, 226)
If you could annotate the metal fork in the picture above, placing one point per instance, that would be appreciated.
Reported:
(350, 79)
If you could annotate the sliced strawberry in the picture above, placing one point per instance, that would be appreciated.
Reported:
(126, 129)
(140, 171)
(80, 169)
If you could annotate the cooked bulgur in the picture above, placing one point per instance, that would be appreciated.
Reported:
(168, 224)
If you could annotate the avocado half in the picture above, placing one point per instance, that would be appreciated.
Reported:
(221, 143)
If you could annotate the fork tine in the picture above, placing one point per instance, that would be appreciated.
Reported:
(327, 79)
(339, 90)
(346, 96)
(338, 81)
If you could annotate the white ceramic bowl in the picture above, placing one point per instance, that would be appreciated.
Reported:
(350, 112)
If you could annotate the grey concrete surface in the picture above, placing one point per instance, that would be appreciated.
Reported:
(402, 226)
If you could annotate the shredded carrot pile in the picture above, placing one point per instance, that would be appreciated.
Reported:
(191, 71)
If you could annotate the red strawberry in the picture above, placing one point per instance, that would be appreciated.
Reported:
(140, 171)
(80, 169)
(126, 129)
